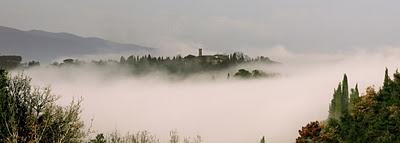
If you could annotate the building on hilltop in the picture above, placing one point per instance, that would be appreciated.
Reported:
(209, 59)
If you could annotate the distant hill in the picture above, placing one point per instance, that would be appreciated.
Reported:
(47, 46)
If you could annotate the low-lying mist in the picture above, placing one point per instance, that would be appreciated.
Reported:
(219, 110)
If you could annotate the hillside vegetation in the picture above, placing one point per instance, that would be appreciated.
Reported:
(373, 117)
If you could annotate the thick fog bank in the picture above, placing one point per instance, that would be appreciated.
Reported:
(220, 111)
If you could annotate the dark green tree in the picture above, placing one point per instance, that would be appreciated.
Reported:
(242, 73)
(354, 97)
(345, 96)
(336, 104)
(122, 60)
(263, 140)
(130, 60)
(340, 103)
(387, 81)
(258, 73)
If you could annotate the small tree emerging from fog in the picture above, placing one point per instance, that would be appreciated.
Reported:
(245, 74)
(242, 73)
(263, 140)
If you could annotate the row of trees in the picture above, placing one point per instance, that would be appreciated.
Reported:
(189, 64)
(373, 117)
(235, 58)
(176, 64)
(12, 62)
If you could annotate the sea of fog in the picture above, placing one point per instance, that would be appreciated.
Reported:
(220, 110)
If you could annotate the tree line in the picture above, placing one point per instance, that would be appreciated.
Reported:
(177, 64)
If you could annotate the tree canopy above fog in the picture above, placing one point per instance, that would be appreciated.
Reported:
(373, 117)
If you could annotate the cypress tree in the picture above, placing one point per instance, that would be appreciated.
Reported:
(336, 103)
(122, 60)
(340, 102)
(345, 95)
(332, 106)
(387, 87)
(262, 140)
(387, 79)
(396, 78)
(354, 95)
(130, 60)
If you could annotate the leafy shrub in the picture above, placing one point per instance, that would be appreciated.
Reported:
(29, 114)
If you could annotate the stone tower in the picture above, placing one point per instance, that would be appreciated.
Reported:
(200, 52)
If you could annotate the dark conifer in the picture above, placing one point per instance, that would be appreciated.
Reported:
(345, 95)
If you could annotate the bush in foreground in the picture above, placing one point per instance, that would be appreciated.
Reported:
(29, 114)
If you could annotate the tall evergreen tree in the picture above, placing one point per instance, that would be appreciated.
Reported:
(340, 102)
(130, 60)
(354, 96)
(354, 93)
(345, 95)
(335, 106)
(262, 140)
(122, 60)
(387, 79)
(332, 106)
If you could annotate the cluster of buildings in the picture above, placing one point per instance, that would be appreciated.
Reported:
(211, 59)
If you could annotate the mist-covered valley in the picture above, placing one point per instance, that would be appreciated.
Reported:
(209, 71)
(219, 110)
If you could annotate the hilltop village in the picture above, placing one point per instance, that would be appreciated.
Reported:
(178, 64)
(146, 64)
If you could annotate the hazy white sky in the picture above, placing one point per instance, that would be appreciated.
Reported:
(220, 25)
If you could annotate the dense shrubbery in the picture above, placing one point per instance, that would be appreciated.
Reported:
(374, 117)
(30, 114)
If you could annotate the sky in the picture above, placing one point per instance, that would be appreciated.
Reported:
(217, 25)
